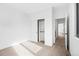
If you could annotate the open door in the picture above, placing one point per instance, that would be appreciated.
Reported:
(67, 33)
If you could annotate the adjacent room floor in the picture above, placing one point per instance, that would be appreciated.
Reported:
(30, 48)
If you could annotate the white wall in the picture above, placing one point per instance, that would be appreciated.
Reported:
(74, 41)
(61, 11)
(15, 26)
(49, 32)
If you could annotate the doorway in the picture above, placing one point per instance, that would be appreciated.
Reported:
(60, 28)
(41, 30)
(62, 31)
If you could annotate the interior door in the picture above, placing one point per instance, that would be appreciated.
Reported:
(67, 33)
(41, 30)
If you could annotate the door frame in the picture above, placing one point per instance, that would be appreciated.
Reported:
(38, 28)
(66, 32)
(56, 27)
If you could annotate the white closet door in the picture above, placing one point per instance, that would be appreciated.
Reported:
(41, 30)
